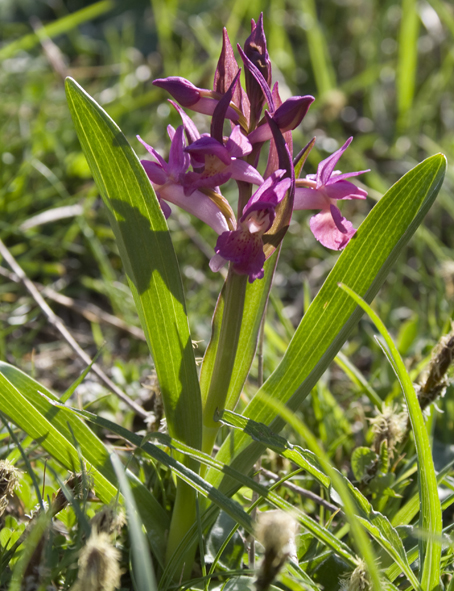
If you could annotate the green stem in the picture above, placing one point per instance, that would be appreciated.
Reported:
(225, 358)
(183, 517)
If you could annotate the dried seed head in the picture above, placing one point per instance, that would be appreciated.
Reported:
(389, 425)
(358, 580)
(275, 530)
(434, 381)
(109, 520)
(9, 481)
(99, 568)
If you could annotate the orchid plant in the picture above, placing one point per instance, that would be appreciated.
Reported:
(256, 153)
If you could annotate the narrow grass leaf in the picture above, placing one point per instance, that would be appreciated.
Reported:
(259, 432)
(144, 578)
(148, 257)
(34, 409)
(431, 521)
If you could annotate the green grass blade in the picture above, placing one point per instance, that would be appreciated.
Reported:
(408, 56)
(430, 522)
(221, 500)
(318, 49)
(364, 265)
(144, 578)
(62, 25)
(33, 409)
(148, 257)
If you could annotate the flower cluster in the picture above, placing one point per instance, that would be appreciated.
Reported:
(199, 165)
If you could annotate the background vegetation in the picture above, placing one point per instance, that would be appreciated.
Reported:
(380, 71)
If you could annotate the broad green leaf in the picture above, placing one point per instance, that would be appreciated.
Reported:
(430, 517)
(148, 257)
(32, 408)
(331, 316)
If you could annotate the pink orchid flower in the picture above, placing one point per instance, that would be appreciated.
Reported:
(320, 191)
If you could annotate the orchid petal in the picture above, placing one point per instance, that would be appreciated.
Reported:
(154, 172)
(153, 152)
(326, 167)
(344, 190)
(178, 159)
(244, 250)
(238, 145)
(332, 232)
(208, 146)
(196, 204)
(240, 170)
(309, 199)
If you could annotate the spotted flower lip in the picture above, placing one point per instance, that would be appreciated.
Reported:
(166, 180)
(243, 247)
(200, 100)
(318, 191)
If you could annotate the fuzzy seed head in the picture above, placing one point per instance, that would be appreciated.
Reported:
(276, 530)
(389, 425)
(109, 520)
(358, 580)
(9, 481)
(99, 568)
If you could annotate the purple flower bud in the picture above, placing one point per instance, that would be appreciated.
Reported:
(257, 54)
(181, 89)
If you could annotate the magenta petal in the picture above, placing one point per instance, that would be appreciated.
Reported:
(344, 190)
(154, 172)
(242, 171)
(165, 208)
(192, 133)
(208, 146)
(327, 166)
(194, 180)
(178, 160)
(333, 234)
(309, 199)
(238, 145)
(153, 152)
(265, 191)
(346, 175)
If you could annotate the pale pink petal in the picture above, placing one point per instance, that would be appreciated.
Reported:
(333, 234)
(344, 190)
(309, 199)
